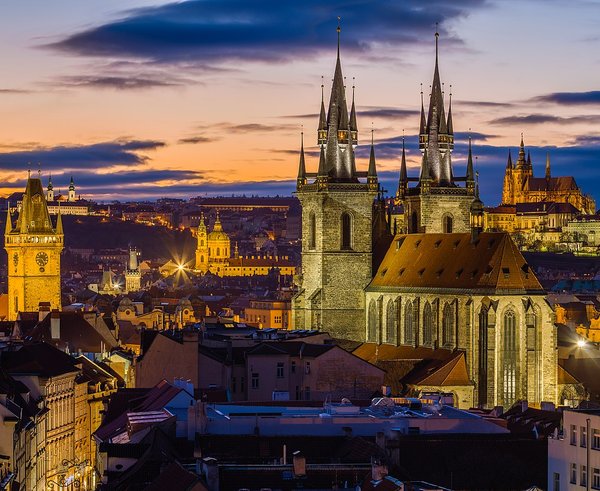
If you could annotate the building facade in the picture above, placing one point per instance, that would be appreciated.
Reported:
(485, 301)
(33, 246)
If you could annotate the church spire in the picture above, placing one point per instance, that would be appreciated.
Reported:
(353, 125)
(470, 174)
(403, 182)
(322, 131)
(521, 161)
(59, 225)
(509, 163)
(423, 124)
(322, 172)
(548, 165)
(372, 172)
(301, 180)
(450, 126)
(8, 225)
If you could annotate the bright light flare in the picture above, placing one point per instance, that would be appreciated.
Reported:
(581, 343)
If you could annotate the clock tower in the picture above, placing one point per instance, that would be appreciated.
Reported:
(33, 246)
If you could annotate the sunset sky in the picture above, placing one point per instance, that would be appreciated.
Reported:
(140, 99)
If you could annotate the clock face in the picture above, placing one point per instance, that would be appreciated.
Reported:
(41, 259)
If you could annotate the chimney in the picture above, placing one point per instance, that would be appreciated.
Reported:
(55, 324)
(44, 310)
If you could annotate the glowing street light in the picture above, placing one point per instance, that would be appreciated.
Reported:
(581, 343)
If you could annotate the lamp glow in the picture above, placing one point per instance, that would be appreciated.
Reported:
(581, 343)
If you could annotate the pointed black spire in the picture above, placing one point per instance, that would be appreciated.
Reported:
(301, 180)
(423, 124)
(509, 163)
(403, 182)
(353, 125)
(322, 130)
(470, 174)
(450, 126)
(322, 177)
(372, 172)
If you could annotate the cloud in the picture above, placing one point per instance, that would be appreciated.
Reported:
(194, 140)
(387, 112)
(591, 97)
(484, 104)
(116, 82)
(14, 91)
(214, 31)
(93, 156)
(530, 119)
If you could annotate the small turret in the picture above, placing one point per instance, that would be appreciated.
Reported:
(59, 224)
(425, 177)
(548, 165)
(50, 192)
(322, 177)
(509, 163)
(72, 196)
(477, 213)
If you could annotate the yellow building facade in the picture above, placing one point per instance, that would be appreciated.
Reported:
(33, 246)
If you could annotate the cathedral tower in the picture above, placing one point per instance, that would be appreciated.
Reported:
(202, 246)
(437, 204)
(337, 224)
(133, 276)
(71, 190)
(33, 246)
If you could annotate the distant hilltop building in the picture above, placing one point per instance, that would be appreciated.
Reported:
(71, 204)
(33, 246)
(520, 186)
(214, 255)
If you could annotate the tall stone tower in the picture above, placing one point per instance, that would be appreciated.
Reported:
(202, 247)
(338, 217)
(33, 246)
(133, 275)
(437, 204)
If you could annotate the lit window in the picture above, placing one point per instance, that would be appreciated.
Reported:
(280, 370)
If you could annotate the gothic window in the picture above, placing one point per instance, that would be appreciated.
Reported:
(373, 318)
(509, 359)
(409, 322)
(482, 357)
(447, 224)
(414, 222)
(448, 325)
(311, 231)
(218, 251)
(390, 322)
(202, 243)
(427, 325)
(346, 231)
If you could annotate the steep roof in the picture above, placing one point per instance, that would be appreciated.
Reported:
(454, 261)
(450, 372)
(565, 183)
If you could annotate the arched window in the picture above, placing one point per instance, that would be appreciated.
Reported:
(509, 358)
(482, 381)
(390, 322)
(312, 231)
(447, 224)
(218, 251)
(373, 321)
(414, 223)
(346, 231)
(409, 322)
(201, 242)
(427, 325)
(201, 259)
(448, 325)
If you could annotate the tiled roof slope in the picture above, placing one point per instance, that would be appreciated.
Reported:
(492, 262)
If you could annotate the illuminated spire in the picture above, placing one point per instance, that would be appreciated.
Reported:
(59, 225)
(509, 163)
(8, 225)
(372, 172)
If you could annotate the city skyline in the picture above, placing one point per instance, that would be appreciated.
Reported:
(181, 99)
